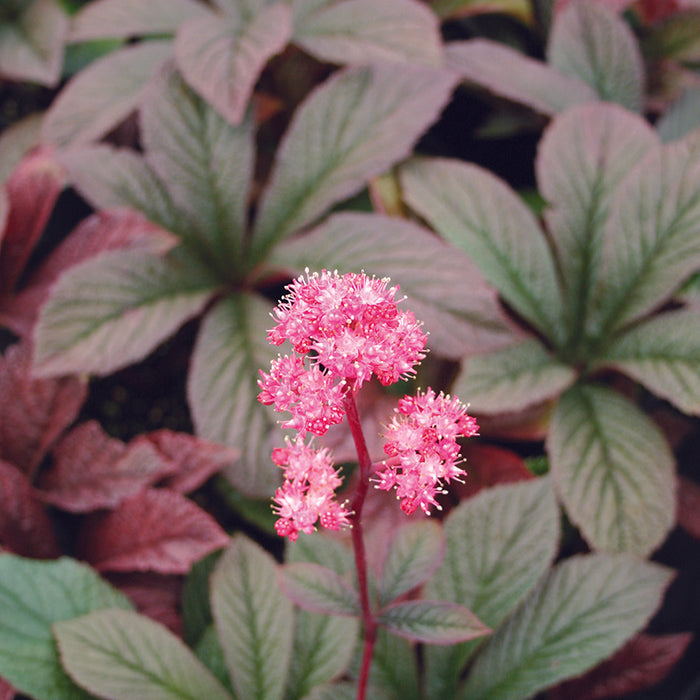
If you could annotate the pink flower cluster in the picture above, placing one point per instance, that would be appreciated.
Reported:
(423, 450)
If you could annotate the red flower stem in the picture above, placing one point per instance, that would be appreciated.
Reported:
(369, 621)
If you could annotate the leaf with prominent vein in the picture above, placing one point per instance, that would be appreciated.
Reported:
(652, 238)
(321, 548)
(317, 589)
(394, 667)
(353, 127)
(122, 19)
(509, 73)
(221, 55)
(102, 95)
(254, 620)
(612, 469)
(479, 213)
(445, 290)
(513, 378)
(33, 596)
(204, 163)
(582, 158)
(585, 609)
(663, 354)
(499, 544)
(119, 654)
(590, 42)
(113, 309)
(365, 31)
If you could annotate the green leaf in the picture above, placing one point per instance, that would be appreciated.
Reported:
(34, 595)
(445, 289)
(323, 646)
(120, 654)
(323, 549)
(591, 42)
(585, 609)
(432, 621)
(512, 379)
(254, 620)
(221, 55)
(123, 19)
(355, 126)
(499, 544)
(509, 73)
(612, 469)
(364, 31)
(674, 37)
(652, 238)
(210, 653)
(205, 164)
(17, 140)
(317, 589)
(582, 158)
(663, 354)
(103, 95)
(222, 389)
(460, 8)
(414, 553)
(113, 309)
(479, 213)
(196, 610)
(31, 42)
(682, 117)
(394, 667)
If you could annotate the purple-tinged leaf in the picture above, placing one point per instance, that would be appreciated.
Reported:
(509, 73)
(432, 622)
(122, 19)
(317, 589)
(394, 667)
(663, 354)
(195, 459)
(222, 389)
(582, 158)
(582, 612)
(102, 95)
(4, 211)
(34, 411)
(652, 237)
(613, 470)
(221, 55)
(368, 31)
(643, 662)
(16, 141)
(480, 214)
(253, 619)
(512, 379)
(355, 126)
(321, 548)
(414, 554)
(113, 309)
(31, 44)
(445, 289)
(25, 527)
(32, 191)
(7, 692)
(118, 654)
(155, 530)
(205, 164)
(590, 42)
(689, 506)
(90, 470)
(682, 117)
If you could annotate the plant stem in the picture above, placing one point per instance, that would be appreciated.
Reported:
(368, 619)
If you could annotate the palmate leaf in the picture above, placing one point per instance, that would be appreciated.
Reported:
(663, 354)
(652, 237)
(582, 158)
(509, 73)
(33, 596)
(113, 309)
(499, 544)
(480, 214)
(612, 469)
(365, 31)
(120, 654)
(356, 125)
(585, 609)
(222, 389)
(590, 42)
(254, 620)
(445, 289)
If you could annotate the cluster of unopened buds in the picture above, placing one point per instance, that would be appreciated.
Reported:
(344, 330)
